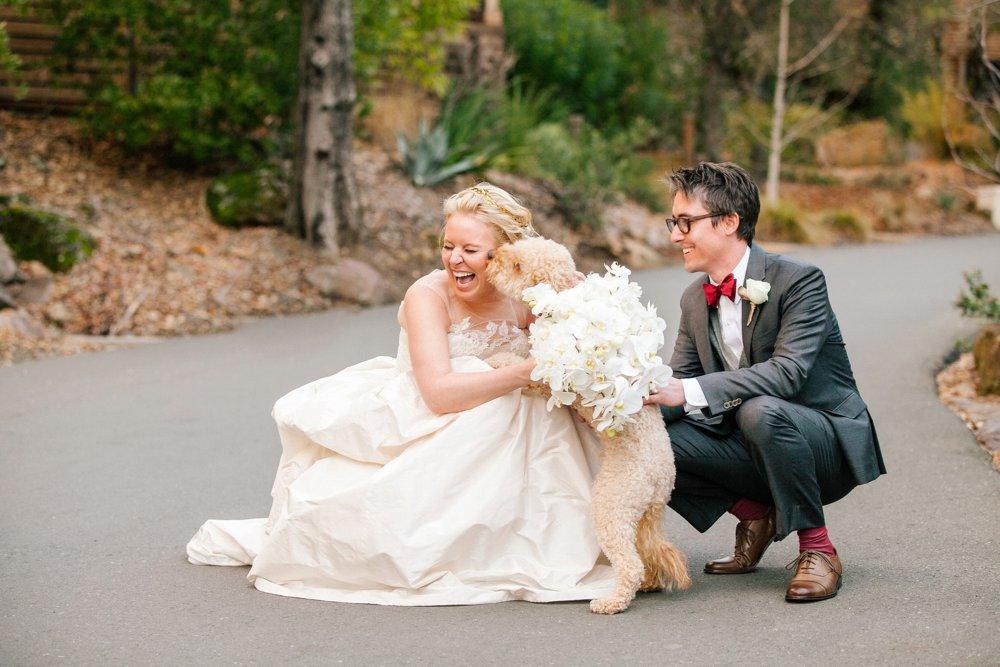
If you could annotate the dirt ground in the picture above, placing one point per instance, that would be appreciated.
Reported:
(957, 389)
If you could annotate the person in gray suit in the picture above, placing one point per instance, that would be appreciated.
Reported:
(764, 415)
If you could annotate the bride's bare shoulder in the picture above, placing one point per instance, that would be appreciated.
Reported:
(426, 299)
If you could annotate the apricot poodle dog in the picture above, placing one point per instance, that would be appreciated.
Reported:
(637, 466)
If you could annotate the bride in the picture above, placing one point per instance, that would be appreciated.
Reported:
(429, 479)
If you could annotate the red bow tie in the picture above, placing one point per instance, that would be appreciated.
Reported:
(715, 292)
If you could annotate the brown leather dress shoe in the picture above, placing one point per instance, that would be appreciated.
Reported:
(752, 540)
(818, 576)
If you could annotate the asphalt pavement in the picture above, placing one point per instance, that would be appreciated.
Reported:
(110, 461)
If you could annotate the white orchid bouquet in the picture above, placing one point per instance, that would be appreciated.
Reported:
(596, 342)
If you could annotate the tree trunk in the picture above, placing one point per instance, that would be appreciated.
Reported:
(323, 205)
(711, 115)
(778, 115)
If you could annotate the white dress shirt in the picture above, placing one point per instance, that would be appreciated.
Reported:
(730, 319)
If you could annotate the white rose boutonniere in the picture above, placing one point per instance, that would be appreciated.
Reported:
(754, 291)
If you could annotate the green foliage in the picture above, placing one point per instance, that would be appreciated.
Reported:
(46, 237)
(521, 109)
(586, 169)
(748, 132)
(214, 83)
(783, 222)
(979, 302)
(921, 110)
(571, 47)
(465, 137)
(249, 198)
(9, 62)
(430, 159)
(899, 50)
(406, 39)
(846, 225)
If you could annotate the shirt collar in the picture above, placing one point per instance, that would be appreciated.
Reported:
(740, 272)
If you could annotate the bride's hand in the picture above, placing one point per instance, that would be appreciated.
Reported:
(526, 367)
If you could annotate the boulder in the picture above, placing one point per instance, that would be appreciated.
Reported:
(6, 300)
(350, 280)
(18, 322)
(8, 265)
(986, 353)
(36, 287)
(47, 237)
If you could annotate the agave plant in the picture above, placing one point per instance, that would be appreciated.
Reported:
(428, 160)
(464, 138)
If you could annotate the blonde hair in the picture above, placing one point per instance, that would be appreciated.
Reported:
(494, 206)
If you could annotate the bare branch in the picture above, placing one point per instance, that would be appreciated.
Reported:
(754, 132)
(821, 46)
(811, 122)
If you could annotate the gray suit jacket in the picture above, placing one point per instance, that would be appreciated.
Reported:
(793, 350)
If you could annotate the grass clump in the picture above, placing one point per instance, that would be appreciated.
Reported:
(783, 222)
(846, 225)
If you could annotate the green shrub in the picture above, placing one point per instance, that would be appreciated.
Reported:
(244, 199)
(571, 47)
(46, 237)
(587, 169)
(808, 175)
(846, 225)
(979, 301)
(783, 222)
(214, 83)
(925, 112)
(467, 136)
(523, 108)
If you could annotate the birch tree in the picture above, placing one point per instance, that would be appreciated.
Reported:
(781, 136)
(323, 204)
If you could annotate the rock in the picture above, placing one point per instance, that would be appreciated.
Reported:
(19, 322)
(986, 352)
(58, 313)
(36, 287)
(8, 265)
(349, 279)
(6, 300)
(49, 238)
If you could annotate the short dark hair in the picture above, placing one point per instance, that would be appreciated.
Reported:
(724, 187)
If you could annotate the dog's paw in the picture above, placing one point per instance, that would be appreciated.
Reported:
(502, 359)
(535, 389)
(609, 605)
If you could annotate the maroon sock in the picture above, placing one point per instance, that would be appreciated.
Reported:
(745, 509)
(816, 539)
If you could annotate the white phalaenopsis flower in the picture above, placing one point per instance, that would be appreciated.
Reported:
(597, 342)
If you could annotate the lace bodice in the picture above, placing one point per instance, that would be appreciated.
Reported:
(483, 341)
(474, 336)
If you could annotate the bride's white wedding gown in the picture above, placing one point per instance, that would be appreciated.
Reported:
(379, 500)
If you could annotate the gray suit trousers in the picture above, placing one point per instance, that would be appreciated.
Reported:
(772, 451)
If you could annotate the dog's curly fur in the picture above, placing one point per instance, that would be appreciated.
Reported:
(637, 466)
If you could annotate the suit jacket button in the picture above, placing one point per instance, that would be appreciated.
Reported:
(737, 401)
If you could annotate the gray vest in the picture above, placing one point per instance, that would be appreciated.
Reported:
(728, 358)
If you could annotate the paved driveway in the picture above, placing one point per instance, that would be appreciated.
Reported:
(110, 461)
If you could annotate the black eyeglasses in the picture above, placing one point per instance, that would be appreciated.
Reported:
(683, 223)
